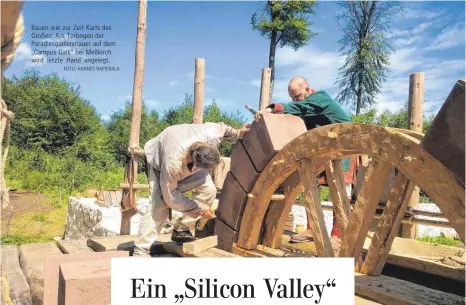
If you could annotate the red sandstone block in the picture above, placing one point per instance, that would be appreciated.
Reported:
(226, 236)
(231, 202)
(52, 263)
(444, 139)
(267, 136)
(242, 168)
(85, 283)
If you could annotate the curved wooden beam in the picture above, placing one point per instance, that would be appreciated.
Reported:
(277, 213)
(417, 135)
(347, 139)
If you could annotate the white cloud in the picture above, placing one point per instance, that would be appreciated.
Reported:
(417, 30)
(449, 37)
(125, 98)
(152, 103)
(173, 83)
(24, 52)
(320, 68)
(255, 82)
(420, 13)
(404, 60)
(404, 42)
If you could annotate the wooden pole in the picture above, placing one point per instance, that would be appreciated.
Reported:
(265, 88)
(128, 204)
(415, 120)
(199, 91)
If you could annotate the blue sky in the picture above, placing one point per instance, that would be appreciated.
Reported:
(428, 38)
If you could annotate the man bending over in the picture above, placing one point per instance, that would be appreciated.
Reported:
(179, 160)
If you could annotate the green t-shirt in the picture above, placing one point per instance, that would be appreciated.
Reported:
(318, 109)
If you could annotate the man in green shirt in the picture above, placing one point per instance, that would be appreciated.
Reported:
(316, 108)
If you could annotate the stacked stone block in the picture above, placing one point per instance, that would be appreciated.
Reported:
(81, 278)
(249, 158)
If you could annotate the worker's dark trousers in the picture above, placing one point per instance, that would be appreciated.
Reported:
(156, 216)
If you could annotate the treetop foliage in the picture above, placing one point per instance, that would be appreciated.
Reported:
(364, 43)
(288, 19)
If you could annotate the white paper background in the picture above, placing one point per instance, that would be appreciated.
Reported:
(173, 272)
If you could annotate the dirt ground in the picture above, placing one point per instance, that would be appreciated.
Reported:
(33, 219)
(23, 202)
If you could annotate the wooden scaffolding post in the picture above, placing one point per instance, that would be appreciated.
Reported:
(199, 91)
(415, 120)
(265, 88)
(128, 204)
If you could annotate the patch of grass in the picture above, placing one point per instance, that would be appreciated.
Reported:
(21, 239)
(40, 217)
(440, 240)
(35, 226)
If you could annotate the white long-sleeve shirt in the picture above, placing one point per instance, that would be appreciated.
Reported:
(167, 153)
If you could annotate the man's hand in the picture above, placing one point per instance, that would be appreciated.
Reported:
(244, 129)
(259, 113)
(208, 214)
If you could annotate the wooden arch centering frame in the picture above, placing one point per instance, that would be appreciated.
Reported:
(318, 150)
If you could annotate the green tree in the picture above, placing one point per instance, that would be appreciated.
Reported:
(51, 115)
(364, 43)
(285, 23)
(386, 118)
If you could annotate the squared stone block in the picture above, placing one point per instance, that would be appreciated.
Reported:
(444, 139)
(52, 269)
(268, 135)
(242, 167)
(231, 203)
(226, 236)
(85, 283)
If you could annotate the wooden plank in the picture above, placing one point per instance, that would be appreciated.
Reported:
(200, 245)
(412, 247)
(315, 213)
(428, 266)
(363, 301)
(109, 243)
(388, 290)
(126, 243)
(18, 286)
(136, 186)
(365, 208)
(249, 253)
(71, 246)
(388, 226)
(338, 193)
(423, 256)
